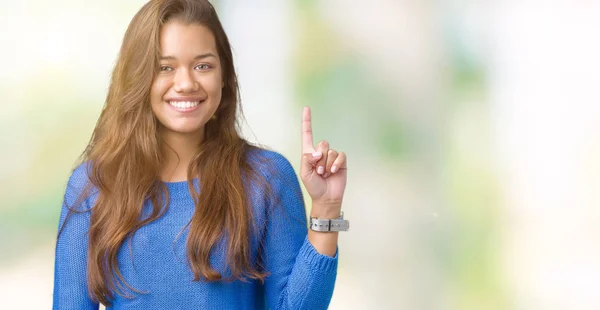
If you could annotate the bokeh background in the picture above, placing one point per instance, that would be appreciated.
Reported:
(472, 128)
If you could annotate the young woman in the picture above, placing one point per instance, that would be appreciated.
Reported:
(171, 209)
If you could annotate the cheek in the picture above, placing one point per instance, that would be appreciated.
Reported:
(159, 87)
(213, 85)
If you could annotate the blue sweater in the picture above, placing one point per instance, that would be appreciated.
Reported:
(156, 263)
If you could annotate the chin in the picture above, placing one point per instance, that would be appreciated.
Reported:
(187, 130)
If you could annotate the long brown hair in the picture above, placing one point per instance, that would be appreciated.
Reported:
(125, 160)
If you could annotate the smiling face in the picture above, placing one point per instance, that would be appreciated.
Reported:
(186, 92)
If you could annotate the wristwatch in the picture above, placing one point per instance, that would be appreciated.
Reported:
(325, 225)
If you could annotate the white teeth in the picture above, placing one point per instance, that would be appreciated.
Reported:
(184, 104)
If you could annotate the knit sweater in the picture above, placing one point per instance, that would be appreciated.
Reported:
(154, 260)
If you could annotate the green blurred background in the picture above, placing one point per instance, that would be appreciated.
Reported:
(472, 128)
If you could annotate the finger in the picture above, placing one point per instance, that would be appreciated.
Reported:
(331, 157)
(339, 163)
(307, 136)
(322, 147)
(309, 161)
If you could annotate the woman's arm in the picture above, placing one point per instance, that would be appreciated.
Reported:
(70, 283)
(300, 277)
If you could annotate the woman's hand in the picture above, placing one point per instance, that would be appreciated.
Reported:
(322, 170)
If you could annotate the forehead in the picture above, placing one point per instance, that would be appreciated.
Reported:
(178, 39)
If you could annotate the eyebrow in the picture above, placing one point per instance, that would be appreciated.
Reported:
(197, 57)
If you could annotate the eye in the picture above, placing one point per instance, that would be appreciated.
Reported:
(165, 68)
(203, 67)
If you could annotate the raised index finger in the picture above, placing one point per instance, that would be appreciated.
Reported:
(307, 136)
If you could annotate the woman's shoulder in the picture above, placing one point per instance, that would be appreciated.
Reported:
(270, 163)
(80, 175)
(282, 186)
(79, 185)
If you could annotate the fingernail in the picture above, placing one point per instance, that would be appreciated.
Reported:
(333, 169)
(316, 154)
(320, 170)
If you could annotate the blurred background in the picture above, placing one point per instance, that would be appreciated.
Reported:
(472, 128)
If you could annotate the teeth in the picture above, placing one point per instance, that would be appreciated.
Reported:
(184, 104)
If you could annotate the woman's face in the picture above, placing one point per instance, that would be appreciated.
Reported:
(187, 90)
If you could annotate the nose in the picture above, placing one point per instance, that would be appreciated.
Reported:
(184, 82)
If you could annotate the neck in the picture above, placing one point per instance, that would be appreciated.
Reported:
(178, 150)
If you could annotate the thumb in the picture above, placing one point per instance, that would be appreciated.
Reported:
(308, 163)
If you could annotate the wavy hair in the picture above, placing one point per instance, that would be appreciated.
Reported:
(125, 159)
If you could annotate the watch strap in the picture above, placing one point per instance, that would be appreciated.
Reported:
(327, 225)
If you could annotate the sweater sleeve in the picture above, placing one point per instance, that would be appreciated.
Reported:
(300, 277)
(70, 283)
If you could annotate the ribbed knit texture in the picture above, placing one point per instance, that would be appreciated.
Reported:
(156, 263)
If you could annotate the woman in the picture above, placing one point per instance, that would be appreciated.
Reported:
(171, 209)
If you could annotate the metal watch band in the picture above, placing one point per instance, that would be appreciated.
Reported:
(324, 225)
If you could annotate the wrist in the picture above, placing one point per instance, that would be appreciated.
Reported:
(326, 210)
